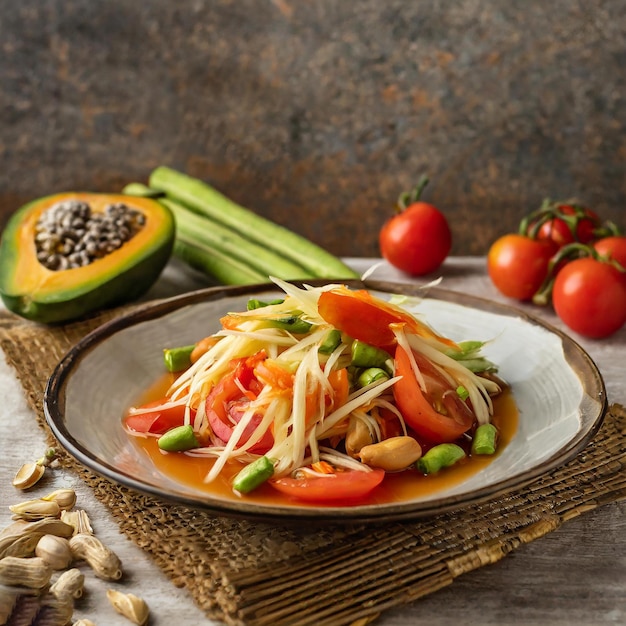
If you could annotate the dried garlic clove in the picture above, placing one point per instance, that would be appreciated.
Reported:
(130, 606)
(32, 510)
(55, 551)
(28, 475)
(65, 498)
(104, 562)
(70, 583)
(33, 573)
(79, 520)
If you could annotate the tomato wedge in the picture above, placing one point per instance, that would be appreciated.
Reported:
(229, 399)
(367, 318)
(418, 410)
(157, 422)
(339, 488)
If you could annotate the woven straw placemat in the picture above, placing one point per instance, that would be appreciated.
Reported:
(243, 572)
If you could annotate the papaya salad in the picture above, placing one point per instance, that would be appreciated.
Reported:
(321, 393)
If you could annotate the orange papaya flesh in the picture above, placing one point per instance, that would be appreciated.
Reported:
(35, 292)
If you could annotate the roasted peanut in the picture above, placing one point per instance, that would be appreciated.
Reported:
(391, 454)
(33, 573)
(69, 584)
(104, 562)
(357, 437)
(55, 551)
(20, 538)
(202, 347)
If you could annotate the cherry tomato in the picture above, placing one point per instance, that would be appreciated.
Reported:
(230, 398)
(418, 408)
(366, 318)
(590, 297)
(418, 239)
(613, 248)
(157, 422)
(339, 488)
(581, 228)
(518, 265)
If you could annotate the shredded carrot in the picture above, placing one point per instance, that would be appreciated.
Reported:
(272, 374)
(340, 383)
(323, 467)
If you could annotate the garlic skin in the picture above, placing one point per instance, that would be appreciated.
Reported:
(55, 551)
(28, 475)
(32, 510)
(65, 498)
(130, 606)
(79, 520)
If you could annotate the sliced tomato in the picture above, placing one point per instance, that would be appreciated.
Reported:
(440, 415)
(389, 423)
(367, 318)
(157, 422)
(339, 488)
(230, 398)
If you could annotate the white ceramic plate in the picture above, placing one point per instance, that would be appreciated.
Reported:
(558, 390)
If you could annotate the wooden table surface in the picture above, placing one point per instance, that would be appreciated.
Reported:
(575, 575)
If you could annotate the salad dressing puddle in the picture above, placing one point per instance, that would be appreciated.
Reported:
(397, 487)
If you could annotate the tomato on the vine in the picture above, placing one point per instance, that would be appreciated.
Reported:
(589, 295)
(568, 224)
(613, 248)
(418, 239)
(518, 265)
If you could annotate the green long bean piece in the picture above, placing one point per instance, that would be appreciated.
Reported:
(443, 455)
(204, 199)
(254, 475)
(195, 229)
(365, 355)
(203, 256)
(178, 359)
(484, 441)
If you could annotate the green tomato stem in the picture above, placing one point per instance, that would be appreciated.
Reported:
(409, 197)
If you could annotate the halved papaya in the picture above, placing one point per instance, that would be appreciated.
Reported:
(34, 291)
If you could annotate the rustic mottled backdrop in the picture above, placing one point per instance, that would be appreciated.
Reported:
(317, 113)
